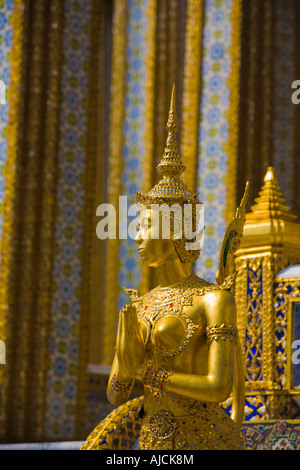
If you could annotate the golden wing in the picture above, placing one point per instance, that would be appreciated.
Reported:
(231, 240)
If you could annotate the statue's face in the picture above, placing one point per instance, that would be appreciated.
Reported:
(153, 248)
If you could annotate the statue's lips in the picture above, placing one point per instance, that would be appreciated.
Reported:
(141, 250)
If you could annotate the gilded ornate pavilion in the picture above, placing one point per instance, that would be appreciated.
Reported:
(265, 297)
(87, 95)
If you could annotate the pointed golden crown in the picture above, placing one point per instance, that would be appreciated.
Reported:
(170, 189)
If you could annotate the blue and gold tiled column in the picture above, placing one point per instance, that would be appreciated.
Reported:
(6, 33)
(28, 215)
(216, 167)
(67, 270)
(134, 131)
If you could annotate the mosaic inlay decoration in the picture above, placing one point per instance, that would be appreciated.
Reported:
(134, 133)
(6, 33)
(64, 341)
(213, 131)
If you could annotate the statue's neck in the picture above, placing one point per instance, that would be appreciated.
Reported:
(173, 271)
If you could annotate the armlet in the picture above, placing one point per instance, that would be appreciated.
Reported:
(221, 332)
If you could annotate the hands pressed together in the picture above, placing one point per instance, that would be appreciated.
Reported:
(130, 348)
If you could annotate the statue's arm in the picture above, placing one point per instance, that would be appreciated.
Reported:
(216, 385)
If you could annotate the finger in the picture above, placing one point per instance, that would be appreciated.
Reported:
(133, 324)
(125, 334)
(131, 315)
(132, 309)
(129, 309)
(120, 328)
(120, 345)
(129, 319)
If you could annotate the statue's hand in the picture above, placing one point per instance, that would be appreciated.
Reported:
(130, 344)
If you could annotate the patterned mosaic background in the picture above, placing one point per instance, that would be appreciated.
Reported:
(134, 133)
(213, 131)
(64, 341)
(6, 9)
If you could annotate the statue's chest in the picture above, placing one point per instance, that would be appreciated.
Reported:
(166, 327)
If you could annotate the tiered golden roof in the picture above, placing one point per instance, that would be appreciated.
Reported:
(270, 203)
(270, 226)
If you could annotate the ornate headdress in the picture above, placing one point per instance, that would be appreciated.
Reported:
(171, 189)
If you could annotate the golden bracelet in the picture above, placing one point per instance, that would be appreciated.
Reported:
(120, 387)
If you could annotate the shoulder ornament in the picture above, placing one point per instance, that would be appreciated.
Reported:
(133, 293)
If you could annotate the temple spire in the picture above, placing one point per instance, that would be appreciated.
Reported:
(270, 204)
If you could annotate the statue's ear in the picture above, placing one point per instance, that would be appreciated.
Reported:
(177, 232)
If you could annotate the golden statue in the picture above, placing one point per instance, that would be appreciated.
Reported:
(180, 339)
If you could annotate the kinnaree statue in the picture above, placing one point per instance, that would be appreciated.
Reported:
(180, 339)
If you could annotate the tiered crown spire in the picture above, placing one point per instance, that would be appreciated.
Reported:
(170, 189)
(171, 163)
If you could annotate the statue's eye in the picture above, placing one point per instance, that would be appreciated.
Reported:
(145, 223)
